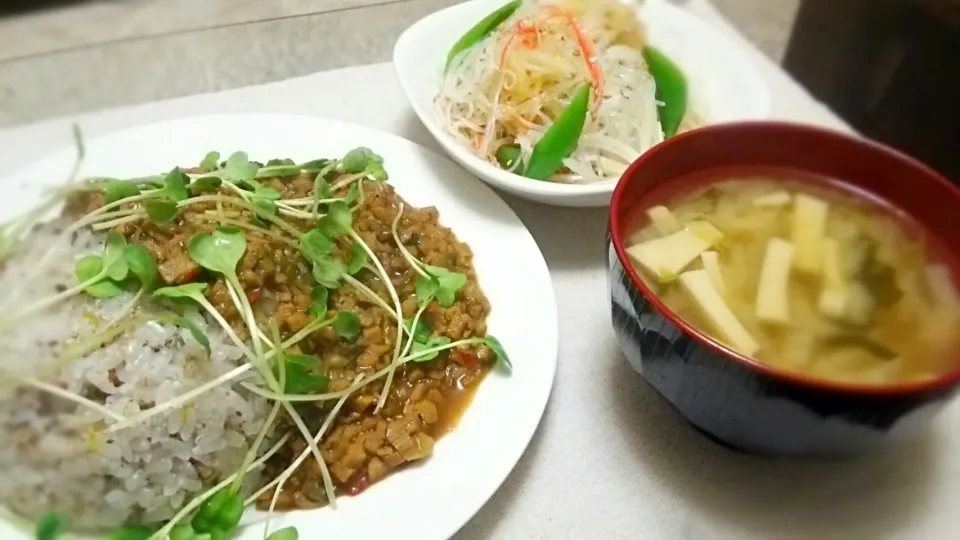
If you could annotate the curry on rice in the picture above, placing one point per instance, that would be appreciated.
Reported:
(352, 324)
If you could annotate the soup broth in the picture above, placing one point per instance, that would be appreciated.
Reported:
(803, 278)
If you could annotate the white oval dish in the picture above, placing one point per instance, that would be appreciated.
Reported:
(470, 463)
(724, 85)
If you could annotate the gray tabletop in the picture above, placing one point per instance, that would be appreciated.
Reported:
(105, 53)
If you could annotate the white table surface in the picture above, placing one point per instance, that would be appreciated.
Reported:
(611, 460)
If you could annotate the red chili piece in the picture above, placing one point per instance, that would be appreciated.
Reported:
(467, 359)
(359, 486)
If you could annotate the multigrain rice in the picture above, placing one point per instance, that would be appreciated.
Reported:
(53, 453)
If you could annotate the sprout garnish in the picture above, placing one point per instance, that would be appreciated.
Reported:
(115, 190)
(287, 533)
(318, 304)
(210, 162)
(347, 325)
(51, 526)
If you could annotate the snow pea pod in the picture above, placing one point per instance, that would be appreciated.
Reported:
(561, 138)
(481, 30)
(671, 90)
(507, 156)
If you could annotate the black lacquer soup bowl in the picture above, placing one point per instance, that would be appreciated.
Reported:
(738, 401)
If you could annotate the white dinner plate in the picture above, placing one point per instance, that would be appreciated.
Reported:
(724, 85)
(470, 463)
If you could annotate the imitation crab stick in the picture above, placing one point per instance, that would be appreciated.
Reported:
(529, 36)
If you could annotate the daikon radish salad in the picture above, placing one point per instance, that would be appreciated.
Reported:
(802, 277)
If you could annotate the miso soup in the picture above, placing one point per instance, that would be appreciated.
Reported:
(803, 277)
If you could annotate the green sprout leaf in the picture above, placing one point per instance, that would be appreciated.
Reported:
(239, 168)
(263, 198)
(211, 162)
(329, 228)
(328, 271)
(448, 284)
(353, 194)
(363, 160)
(264, 206)
(51, 526)
(421, 333)
(161, 211)
(302, 375)
(195, 332)
(429, 343)
(356, 160)
(422, 340)
(268, 193)
(378, 173)
(175, 185)
(315, 165)
(117, 190)
(318, 304)
(337, 221)
(287, 533)
(426, 289)
(105, 274)
(219, 252)
(114, 265)
(315, 245)
(358, 258)
(341, 215)
(131, 532)
(193, 291)
(321, 187)
(205, 184)
(280, 162)
(347, 325)
(278, 171)
(220, 513)
(88, 268)
(141, 262)
(496, 347)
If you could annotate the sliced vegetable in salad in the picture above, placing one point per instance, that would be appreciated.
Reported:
(562, 90)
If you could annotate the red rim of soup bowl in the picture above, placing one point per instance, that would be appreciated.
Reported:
(723, 134)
